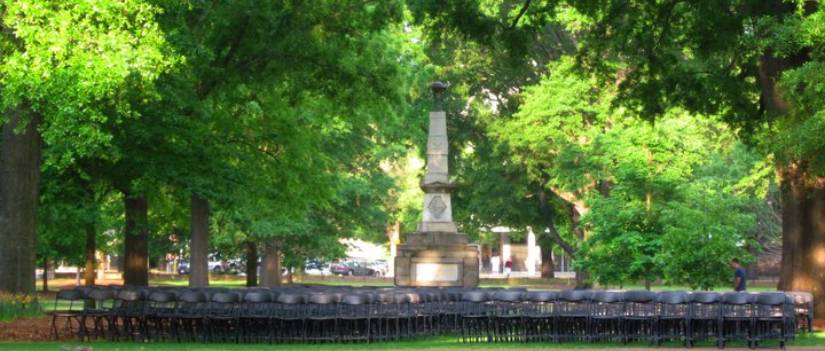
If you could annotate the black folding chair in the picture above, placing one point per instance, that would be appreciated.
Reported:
(736, 321)
(773, 319)
(159, 315)
(98, 309)
(606, 314)
(475, 316)
(222, 319)
(128, 314)
(321, 319)
(705, 314)
(68, 306)
(190, 312)
(353, 318)
(572, 314)
(803, 303)
(538, 316)
(639, 321)
(289, 319)
(256, 318)
(508, 315)
(673, 316)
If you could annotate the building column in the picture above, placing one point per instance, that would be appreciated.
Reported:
(532, 252)
(505, 250)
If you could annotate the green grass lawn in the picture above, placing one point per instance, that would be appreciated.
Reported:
(444, 343)
(532, 283)
(238, 282)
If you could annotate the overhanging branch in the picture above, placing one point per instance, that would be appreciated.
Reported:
(521, 13)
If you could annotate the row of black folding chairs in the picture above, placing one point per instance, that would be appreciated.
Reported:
(335, 314)
(619, 316)
(295, 314)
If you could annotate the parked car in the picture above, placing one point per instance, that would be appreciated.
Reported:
(340, 268)
(216, 266)
(352, 268)
(380, 267)
(316, 267)
(183, 267)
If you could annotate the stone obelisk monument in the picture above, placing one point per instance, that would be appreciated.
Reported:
(437, 254)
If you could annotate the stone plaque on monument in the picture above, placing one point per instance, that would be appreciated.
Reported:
(436, 272)
(437, 254)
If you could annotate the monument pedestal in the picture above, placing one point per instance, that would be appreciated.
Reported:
(436, 259)
(437, 254)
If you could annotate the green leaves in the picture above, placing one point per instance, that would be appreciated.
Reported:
(640, 186)
(76, 63)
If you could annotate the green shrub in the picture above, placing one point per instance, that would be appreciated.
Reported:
(13, 306)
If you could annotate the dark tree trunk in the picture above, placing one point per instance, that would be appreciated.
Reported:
(91, 247)
(271, 270)
(546, 211)
(19, 177)
(803, 239)
(486, 255)
(45, 274)
(752, 268)
(803, 195)
(136, 243)
(547, 269)
(199, 243)
(251, 264)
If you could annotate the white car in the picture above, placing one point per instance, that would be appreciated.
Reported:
(380, 267)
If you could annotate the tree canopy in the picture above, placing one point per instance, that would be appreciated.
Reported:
(647, 141)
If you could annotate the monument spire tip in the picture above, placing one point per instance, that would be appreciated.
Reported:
(439, 87)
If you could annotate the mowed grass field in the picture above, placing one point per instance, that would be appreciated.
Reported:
(532, 283)
(815, 341)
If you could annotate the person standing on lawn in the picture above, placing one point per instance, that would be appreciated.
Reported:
(739, 282)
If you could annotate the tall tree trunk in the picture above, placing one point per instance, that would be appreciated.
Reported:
(582, 276)
(803, 239)
(136, 243)
(251, 264)
(91, 246)
(545, 209)
(199, 243)
(547, 217)
(45, 274)
(271, 270)
(752, 268)
(547, 269)
(803, 195)
(19, 180)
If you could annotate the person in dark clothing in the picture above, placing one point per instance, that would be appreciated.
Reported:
(739, 282)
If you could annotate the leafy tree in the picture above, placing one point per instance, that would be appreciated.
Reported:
(267, 106)
(745, 63)
(68, 220)
(755, 63)
(702, 232)
(64, 66)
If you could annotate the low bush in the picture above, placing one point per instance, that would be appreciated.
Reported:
(13, 306)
